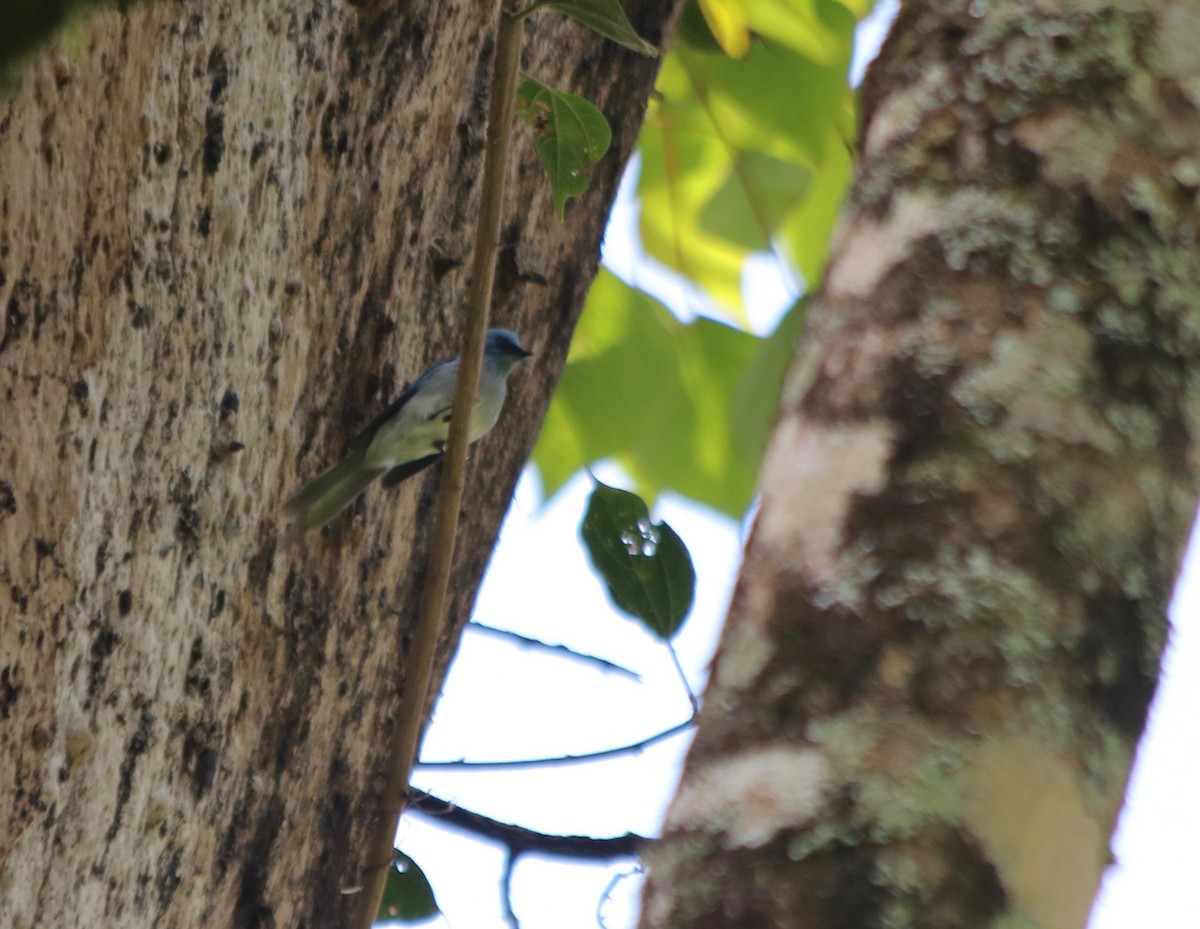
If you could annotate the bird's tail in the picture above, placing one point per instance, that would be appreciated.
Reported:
(327, 494)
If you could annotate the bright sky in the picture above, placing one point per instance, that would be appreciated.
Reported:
(503, 701)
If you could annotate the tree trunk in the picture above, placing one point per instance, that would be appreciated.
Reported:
(229, 232)
(947, 630)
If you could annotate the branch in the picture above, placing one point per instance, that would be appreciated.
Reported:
(525, 641)
(414, 677)
(683, 680)
(510, 916)
(631, 749)
(608, 892)
(519, 840)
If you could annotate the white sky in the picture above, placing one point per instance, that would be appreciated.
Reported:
(502, 701)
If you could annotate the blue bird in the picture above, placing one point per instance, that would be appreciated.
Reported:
(409, 435)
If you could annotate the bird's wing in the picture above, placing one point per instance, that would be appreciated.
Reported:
(362, 441)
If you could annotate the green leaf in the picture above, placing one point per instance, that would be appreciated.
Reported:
(662, 398)
(569, 134)
(605, 16)
(407, 896)
(645, 565)
(759, 192)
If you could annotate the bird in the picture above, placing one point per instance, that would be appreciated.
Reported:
(409, 435)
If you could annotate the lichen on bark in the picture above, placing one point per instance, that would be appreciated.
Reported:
(1006, 343)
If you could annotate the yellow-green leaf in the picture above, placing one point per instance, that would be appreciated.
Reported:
(727, 21)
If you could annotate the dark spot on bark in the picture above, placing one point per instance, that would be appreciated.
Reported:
(125, 601)
(218, 605)
(328, 118)
(140, 315)
(47, 142)
(16, 321)
(8, 500)
(92, 455)
(258, 570)
(79, 394)
(251, 910)
(168, 876)
(187, 524)
(1121, 673)
(161, 152)
(204, 223)
(101, 557)
(290, 736)
(138, 743)
(835, 647)
(214, 140)
(20, 598)
(229, 404)
(918, 405)
(328, 867)
(1094, 225)
(10, 692)
(440, 262)
(200, 759)
(218, 68)
(257, 151)
(1021, 165)
(1148, 375)
(289, 588)
(197, 682)
(764, 888)
(942, 685)
(103, 645)
(971, 893)
(196, 653)
(223, 857)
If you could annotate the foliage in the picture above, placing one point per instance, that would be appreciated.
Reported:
(644, 564)
(606, 17)
(407, 896)
(569, 134)
(747, 148)
(680, 405)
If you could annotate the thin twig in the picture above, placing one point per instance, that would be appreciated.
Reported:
(683, 680)
(510, 916)
(412, 678)
(608, 891)
(519, 840)
(561, 650)
(631, 749)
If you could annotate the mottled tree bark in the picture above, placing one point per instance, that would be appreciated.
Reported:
(229, 231)
(947, 630)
